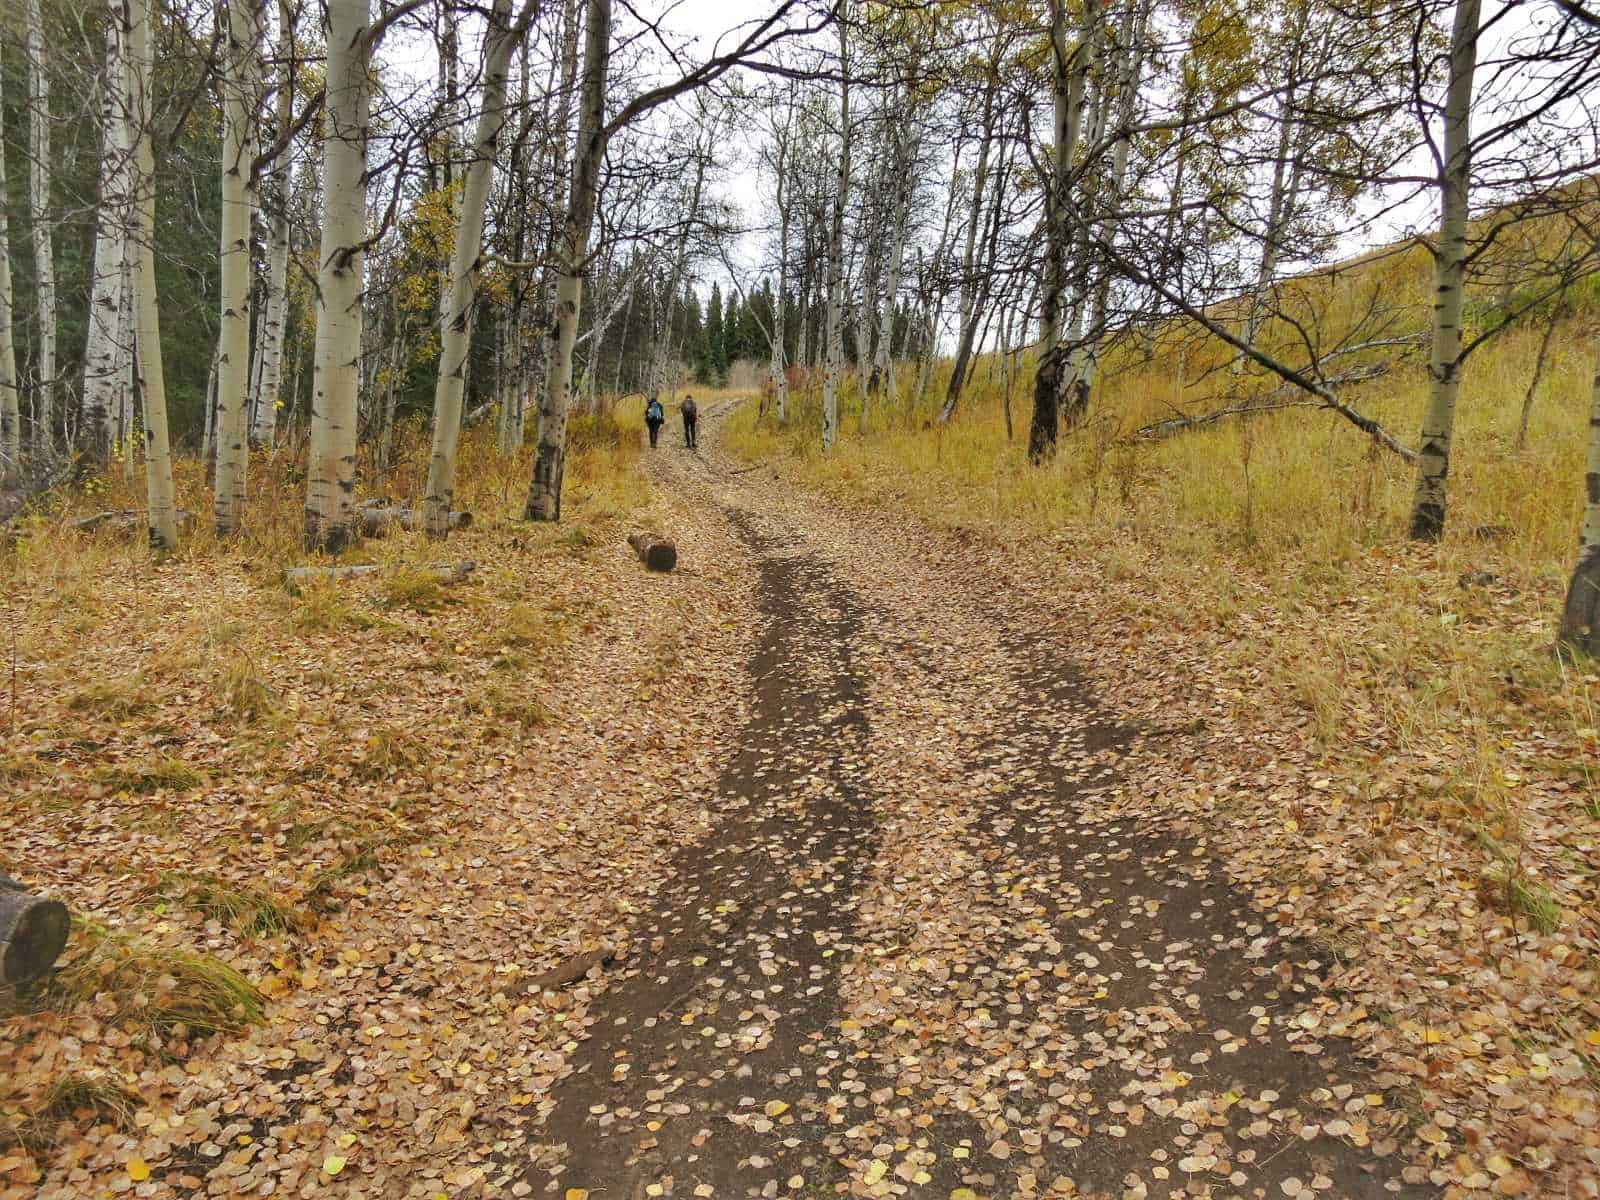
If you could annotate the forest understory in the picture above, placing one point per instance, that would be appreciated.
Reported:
(398, 889)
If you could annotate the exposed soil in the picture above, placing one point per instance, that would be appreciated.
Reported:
(912, 958)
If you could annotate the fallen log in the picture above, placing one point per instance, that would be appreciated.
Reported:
(567, 973)
(125, 520)
(376, 519)
(444, 572)
(656, 552)
(33, 932)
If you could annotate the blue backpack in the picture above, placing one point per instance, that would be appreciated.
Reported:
(653, 411)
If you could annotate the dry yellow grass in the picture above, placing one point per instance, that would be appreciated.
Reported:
(1288, 529)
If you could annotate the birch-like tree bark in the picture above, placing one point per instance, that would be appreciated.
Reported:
(1450, 261)
(833, 362)
(239, 83)
(1070, 73)
(10, 389)
(107, 337)
(907, 148)
(1580, 616)
(455, 326)
(967, 294)
(782, 138)
(331, 469)
(275, 312)
(159, 492)
(39, 218)
(544, 493)
(1130, 65)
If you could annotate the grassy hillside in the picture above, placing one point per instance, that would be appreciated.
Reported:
(1281, 536)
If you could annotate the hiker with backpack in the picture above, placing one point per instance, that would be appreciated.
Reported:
(691, 423)
(654, 416)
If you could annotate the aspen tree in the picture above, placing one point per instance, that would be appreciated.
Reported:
(833, 362)
(1450, 260)
(159, 491)
(331, 469)
(108, 333)
(544, 493)
(239, 83)
(268, 374)
(39, 225)
(10, 390)
(1580, 616)
(455, 325)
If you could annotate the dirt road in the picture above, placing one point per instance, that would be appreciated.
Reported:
(914, 958)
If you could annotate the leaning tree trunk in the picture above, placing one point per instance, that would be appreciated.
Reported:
(275, 313)
(455, 327)
(966, 300)
(834, 359)
(1071, 70)
(331, 470)
(544, 493)
(238, 84)
(160, 495)
(39, 224)
(1444, 369)
(1580, 617)
(107, 336)
(10, 395)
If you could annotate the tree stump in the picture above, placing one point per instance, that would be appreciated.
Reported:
(33, 932)
(656, 552)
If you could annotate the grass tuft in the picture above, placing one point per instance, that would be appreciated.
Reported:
(151, 987)
(118, 697)
(160, 773)
(246, 909)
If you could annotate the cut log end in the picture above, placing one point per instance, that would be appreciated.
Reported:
(656, 552)
(33, 932)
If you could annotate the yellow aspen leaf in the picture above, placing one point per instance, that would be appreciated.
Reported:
(577, 1194)
(333, 1164)
(876, 1170)
(138, 1170)
(776, 1108)
(345, 1140)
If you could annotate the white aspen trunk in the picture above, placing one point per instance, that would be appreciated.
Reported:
(1444, 371)
(331, 469)
(905, 183)
(455, 327)
(274, 319)
(125, 370)
(1069, 77)
(560, 162)
(1129, 74)
(967, 296)
(664, 344)
(1580, 616)
(834, 353)
(544, 493)
(780, 375)
(159, 492)
(238, 83)
(102, 355)
(39, 225)
(10, 388)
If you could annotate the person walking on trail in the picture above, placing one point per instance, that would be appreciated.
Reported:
(654, 417)
(691, 423)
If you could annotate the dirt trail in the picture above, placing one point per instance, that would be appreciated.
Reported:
(911, 959)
